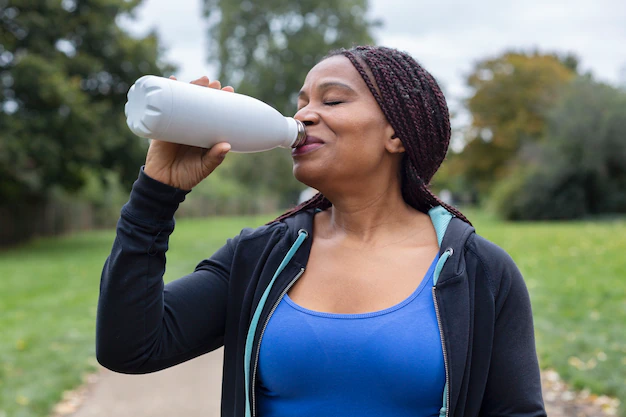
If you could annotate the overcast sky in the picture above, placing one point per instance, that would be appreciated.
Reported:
(445, 37)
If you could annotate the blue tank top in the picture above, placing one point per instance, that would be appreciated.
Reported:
(384, 363)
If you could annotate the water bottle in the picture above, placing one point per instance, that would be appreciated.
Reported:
(174, 111)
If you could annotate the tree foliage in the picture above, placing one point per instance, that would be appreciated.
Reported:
(511, 95)
(579, 168)
(65, 69)
(265, 49)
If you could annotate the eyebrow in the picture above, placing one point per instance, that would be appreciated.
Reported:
(327, 85)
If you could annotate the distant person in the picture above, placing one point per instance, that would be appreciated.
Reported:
(446, 196)
(373, 298)
(307, 194)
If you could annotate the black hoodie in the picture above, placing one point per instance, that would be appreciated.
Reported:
(144, 326)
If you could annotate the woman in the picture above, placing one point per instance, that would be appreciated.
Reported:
(373, 298)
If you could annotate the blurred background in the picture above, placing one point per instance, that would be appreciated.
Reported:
(537, 92)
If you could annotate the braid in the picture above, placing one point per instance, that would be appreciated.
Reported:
(416, 108)
(423, 195)
(367, 79)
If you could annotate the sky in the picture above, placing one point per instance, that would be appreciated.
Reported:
(446, 37)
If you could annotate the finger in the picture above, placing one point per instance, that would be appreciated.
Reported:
(215, 84)
(220, 149)
(203, 81)
(229, 89)
(172, 78)
(215, 156)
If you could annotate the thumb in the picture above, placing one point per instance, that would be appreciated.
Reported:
(215, 156)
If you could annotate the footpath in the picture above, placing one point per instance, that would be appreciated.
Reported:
(193, 389)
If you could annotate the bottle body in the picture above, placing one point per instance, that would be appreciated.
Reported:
(173, 111)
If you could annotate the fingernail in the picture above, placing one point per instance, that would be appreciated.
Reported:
(223, 154)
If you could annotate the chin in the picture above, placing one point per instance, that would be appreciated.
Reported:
(309, 174)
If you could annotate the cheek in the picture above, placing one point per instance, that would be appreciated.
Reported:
(363, 132)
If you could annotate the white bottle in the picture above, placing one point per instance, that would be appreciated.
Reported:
(174, 111)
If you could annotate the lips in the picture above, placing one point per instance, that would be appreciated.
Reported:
(310, 144)
(311, 140)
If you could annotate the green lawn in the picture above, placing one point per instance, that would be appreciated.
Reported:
(576, 273)
(48, 298)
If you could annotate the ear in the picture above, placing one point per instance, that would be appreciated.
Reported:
(393, 144)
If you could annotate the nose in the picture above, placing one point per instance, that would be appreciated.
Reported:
(307, 116)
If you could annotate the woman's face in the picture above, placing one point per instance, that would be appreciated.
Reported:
(349, 138)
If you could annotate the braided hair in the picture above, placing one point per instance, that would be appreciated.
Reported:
(416, 109)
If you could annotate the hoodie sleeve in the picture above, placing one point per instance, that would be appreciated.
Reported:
(513, 385)
(143, 325)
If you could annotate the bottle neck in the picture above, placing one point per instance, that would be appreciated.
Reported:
(301, 138)
(296, 133)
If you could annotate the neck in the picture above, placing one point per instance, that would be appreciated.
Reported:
(372, 216)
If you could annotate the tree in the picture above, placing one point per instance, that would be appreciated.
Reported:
(65, 69)
(265, 49)
(578, 168)
(511, 96)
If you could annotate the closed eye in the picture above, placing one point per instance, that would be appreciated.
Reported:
(332, 103)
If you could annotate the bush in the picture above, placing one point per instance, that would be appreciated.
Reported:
(579, 168)
(540, 194)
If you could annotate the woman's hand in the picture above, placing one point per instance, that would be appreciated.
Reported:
(184, 166)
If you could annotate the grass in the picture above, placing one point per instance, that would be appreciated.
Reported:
(575, 272)
(48, 298)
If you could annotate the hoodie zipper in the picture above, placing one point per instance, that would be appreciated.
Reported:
(258, 350)
(450, 251)
(445, 354)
